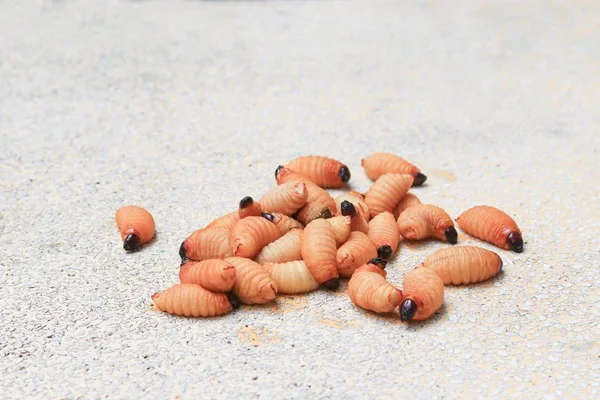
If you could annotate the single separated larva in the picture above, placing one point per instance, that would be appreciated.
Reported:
(386, 192)
(319, 252)
(378, 164)
(357, 201)
(253, 284)
(357, 250)
(251, 234)
(385, 234)
(319, 204)
(286, 198)
(369, 289)
(357, 223)
(189, 300)
(424, 221)
(205, 244)
(284, 249)
(492, 225)
(136, 226)
(422, 294)
(408, 200)
(341, 228)
(323, 171)
(215, 275)
(292, 277)
(463, 265)
(247, 207)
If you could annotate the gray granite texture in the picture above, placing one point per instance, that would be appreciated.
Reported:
(185, 107)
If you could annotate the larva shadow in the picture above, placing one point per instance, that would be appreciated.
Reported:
(434, 319)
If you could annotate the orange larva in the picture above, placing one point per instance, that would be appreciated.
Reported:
(319, 204)
(357, 250)
(378, 164)
(286, 198)
(319, 252)
(251, 234)
(386, 192)
(191, 300)
(215, 275)
(369, 289)
(253, 284)
(422, 294)
(357, 201)
(341, 228)
(424, 221)
(292, 277)
(284, 249)
(136, 226)
(323, 171)
(205, 244)
(408, 200)
(357, 223)
(247, 207)
(463, 265)
(492, 225)
(385, 234)
(283, 222)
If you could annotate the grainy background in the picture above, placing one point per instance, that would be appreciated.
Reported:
(184, 107)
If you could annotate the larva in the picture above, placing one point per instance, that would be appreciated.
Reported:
(283, 222)
(323, 171)
(424, 221)
(247, 207)
(492, 225)
(357, 250)
(357, 201)
(408, 200)
(385, 234)
(286, 198)
(284, 249)
(319, 204)
(386, 192)
(341, 228)
(186, 299)
(205, 244)
(319, 252)
(357, 222)
(292, 277)
(136, 226)
(378, 164)
(253, 284)
(369, 289)
(463, 265)
(423, 294)
(251, 234)
(214, 275)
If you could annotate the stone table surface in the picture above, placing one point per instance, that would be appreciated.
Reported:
(185, 107)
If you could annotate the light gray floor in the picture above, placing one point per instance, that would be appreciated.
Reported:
(184, 107)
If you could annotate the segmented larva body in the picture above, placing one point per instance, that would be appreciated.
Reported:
(341, 228)
(378, 164)
(385, 234)
(386, 192)
(319, 252)
(408, 200)
(424, 221)
(253, 284)
(251, 234)
(323, 171)
(283, 222)
(286, 198)
(423, 294)
(191, 300)
(357, 201)
(247, 207)
(214, 275)
(319, 204)
(463, 265)
(205, 244)
(292, 277)
(369, 289)
(136, 226)
(284, 249)
(357, 250)
(492, 225)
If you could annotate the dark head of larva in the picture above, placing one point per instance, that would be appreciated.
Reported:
(233, 300)
(380, 262)
(344, 174)
(182, 253)
(331, 284)
(419, 179)
(408, 309)
(326, 213)
(277, 171)
(347, 208)
(268, 216)
(246, 202)
(132, 242)
(385, 251)
(516, 242)
(451, 235)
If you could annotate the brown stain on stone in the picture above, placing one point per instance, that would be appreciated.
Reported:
(440, 173)
(287, 304)
(257, 337)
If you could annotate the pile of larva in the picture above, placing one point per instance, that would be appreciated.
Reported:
(297, 238)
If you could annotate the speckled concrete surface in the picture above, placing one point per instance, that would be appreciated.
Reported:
(187, 106)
